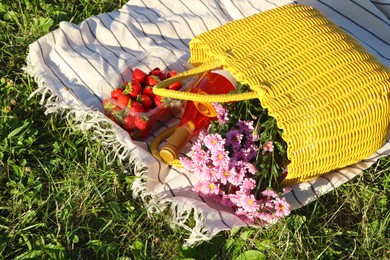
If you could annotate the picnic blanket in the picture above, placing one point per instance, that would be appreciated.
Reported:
(69, 63)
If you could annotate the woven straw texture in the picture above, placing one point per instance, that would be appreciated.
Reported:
(328, 94)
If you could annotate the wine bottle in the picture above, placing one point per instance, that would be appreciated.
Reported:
(197, 115)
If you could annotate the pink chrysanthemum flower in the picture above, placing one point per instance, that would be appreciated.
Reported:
(235, 177)
(206, 188)
(253, 137)
(249, 203)
(244, 216)
(223, 175)
(220, 158)
(251, 151)
(200, 158)
(233, 138)
(214, 142)
(282, 208)
(240, 155)
(212, 174)
(187, 163)
(267, 217)
(269, 193)
(267, 203)
(225, 200)
(268, 146)
(246, 126)
(248, 184)
(222, 113)
(251, 169)
(206, 174)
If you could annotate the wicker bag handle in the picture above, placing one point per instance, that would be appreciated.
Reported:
(160, 88)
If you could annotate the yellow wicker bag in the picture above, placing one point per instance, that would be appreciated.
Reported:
(328, 94)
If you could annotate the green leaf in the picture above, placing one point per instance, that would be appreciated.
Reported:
(54, 251)
(264, 245)
(251, 255)
(3, 8)
(44, 23)
(137, 245)
(229, 243)
(34, 254)
(17, 169)
(247, 234)
(18, 130)
(11, 15)
(75, 239)
(27, 241)
(95, 244)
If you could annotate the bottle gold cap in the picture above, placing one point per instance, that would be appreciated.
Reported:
(175, 143)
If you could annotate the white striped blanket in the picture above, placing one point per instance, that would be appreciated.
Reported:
(70, 62)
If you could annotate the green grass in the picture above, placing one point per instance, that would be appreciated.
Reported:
(60, 200)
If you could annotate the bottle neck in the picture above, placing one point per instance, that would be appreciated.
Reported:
(213, 82)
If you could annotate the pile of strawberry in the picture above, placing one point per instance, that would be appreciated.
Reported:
(130, 104)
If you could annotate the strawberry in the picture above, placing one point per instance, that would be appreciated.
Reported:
(141, 123)
(116, 92)
(124, 100)
(108, 105)
(144, 133)
(159, 100)
(171, 73)
(148, 108)
(175, 86)
(157, 72)
(152, 80)
(145, 100)
(116, 114)
(148, 90)
(136, 107)
(139, 76)
(133, 89)
(128, 122)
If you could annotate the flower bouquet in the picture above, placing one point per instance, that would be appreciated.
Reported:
(240, 160)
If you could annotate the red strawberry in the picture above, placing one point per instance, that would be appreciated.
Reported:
(116, 114)
(136, 107)
(116, 92)
(108, 105)
(148, 109)
(148, 90)
(159, 100)
(152, 80)
(141, 123)
(124, 100)
(157, 72)
(145, 100)
(175, 86)
(171, 73)
(133, 89)
(128, 122)
(139, 76)
(144, 133)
